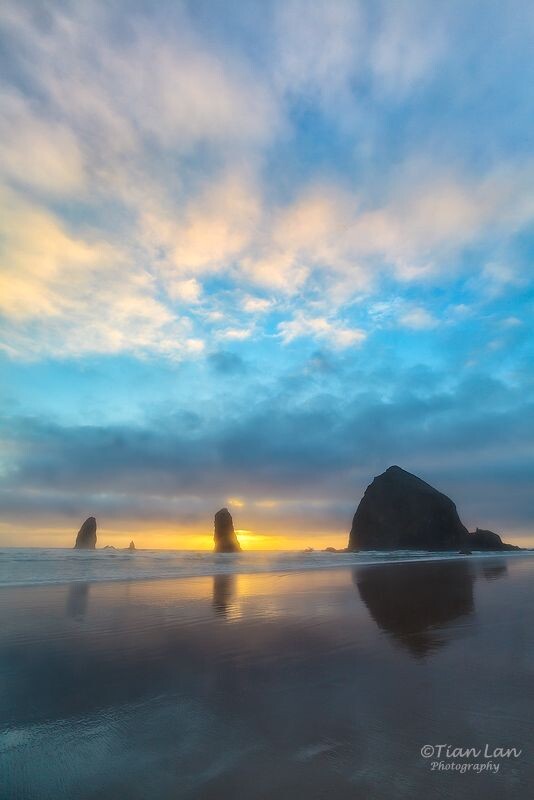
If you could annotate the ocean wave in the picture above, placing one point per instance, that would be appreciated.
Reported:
(38, 566)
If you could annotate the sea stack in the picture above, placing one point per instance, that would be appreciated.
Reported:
(488, 540)
(131, 547)
(399, 511)
(86, 538)
(224, 534)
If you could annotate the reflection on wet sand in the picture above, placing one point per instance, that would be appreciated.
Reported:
(194, 688)
(77, 600)
(495, 570)
(224, 591)
(417, 604)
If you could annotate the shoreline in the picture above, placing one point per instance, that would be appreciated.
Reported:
(339, 561)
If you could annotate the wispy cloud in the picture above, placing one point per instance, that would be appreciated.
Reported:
(418, 319)
(153, 157)
(331, 331)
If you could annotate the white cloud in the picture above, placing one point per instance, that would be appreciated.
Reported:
(66, 294)
(41, 153)
(163, 138)
(235, 334)
(187, 291)
(331, 331)
(217, 226)
(511, 322)
(418, 319)
(256, 305)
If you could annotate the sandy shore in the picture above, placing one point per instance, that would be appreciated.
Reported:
(300, 685)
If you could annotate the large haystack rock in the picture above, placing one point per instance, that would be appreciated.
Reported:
(401, 512)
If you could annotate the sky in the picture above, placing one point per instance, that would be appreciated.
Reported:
(252, 254)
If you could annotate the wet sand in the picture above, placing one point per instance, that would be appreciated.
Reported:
(323, 684)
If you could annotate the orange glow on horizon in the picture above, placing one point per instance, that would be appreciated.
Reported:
(152, 537)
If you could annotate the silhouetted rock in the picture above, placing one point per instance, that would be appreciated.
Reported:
(465, 552)
(131, 547)
(487, 540)
(86, 538)
(400, 511)
(308, 550)
(224, 534)
(417, 603)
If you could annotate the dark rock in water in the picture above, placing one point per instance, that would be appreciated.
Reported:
(465, 552)
(131, 547)
(401, 512)
(109, 547)
(224, 534)
(332, 550)
(308, 550)
(417, 603)
(86, 538)
(487, 540)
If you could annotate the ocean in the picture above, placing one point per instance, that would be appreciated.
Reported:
(35, 566)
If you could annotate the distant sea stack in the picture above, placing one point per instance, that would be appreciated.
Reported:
(399, 511)
(487, 540)
(86, 538)
(224, 534)
(131, 547)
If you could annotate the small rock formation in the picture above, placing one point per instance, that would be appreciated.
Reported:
(401, 512)
(86, 538)
(131, 547)
(224, 534)
(487, 540)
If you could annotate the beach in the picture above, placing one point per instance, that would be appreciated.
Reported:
(286, 683)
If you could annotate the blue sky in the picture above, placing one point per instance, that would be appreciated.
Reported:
(253, 253)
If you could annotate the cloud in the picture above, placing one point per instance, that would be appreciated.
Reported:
(409, 45)
(217, 226)
(235, 334)
(39, 152)
(314, 454)
(226, 363)
(178, 164)
(65, 294)
(256, 305)
(418, 319)
(332, 332)
(187, 291)
(316, 48)
(164, 84)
